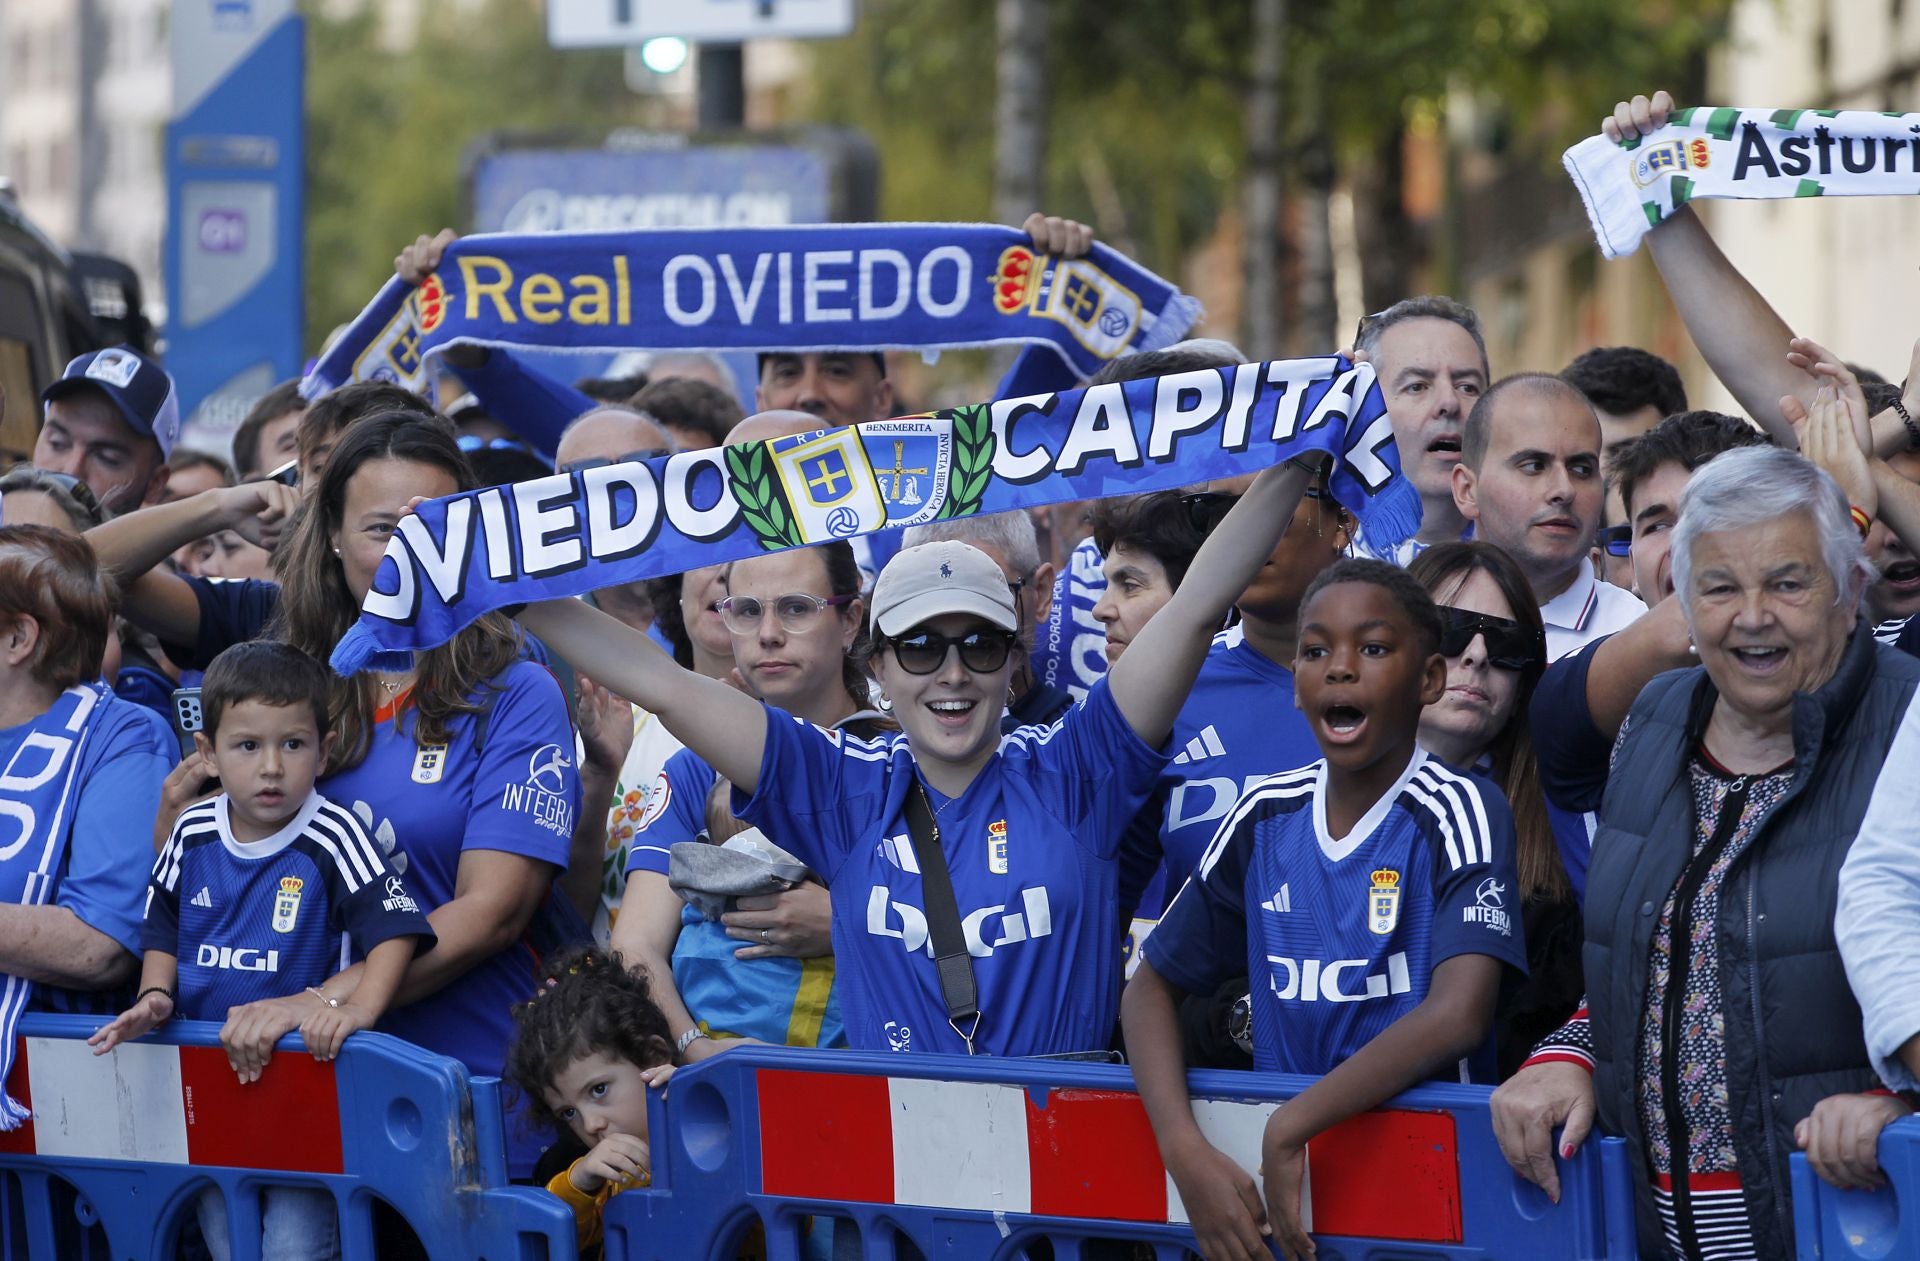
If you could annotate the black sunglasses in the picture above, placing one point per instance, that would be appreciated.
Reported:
(1206, 509)
(1510, 646)
(471, 442)
(923, 652)
(601, 461)
(1617, 540)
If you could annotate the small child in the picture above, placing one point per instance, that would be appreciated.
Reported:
(281, 880)
(585, 1048)
(1366, 895)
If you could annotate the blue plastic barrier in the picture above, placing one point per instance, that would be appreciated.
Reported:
(1834, 1225)
(122, 1146)
(978, 1159)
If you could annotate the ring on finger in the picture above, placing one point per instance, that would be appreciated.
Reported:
(766, 935)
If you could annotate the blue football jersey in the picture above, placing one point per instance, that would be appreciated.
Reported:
(1030, 846)
(1239, 726)
(1340, 935)
(268, 918)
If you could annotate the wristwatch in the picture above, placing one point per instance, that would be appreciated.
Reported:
(1240, 1023)
(688, 1038)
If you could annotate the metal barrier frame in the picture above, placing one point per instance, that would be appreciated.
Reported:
(710, 1172)
(397, 1106)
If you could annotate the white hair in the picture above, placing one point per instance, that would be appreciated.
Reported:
(1754, 485)
(1009, 533)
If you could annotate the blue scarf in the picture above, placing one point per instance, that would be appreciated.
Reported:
(38, 795)
(572, 533)
(823, 287)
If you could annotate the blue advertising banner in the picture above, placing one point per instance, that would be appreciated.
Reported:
(235, 209)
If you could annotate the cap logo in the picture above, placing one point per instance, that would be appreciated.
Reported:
(116, 367)
(946, 570)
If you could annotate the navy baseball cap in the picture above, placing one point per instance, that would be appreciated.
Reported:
(138, 386)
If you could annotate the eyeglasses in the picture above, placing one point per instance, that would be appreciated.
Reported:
(1617, 540)
(796, 611)
(923, 652)
(1366, 322)
(1510, 645)
(471, 442)
(601, 461)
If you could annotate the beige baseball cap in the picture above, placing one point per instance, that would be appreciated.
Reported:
(933, 579)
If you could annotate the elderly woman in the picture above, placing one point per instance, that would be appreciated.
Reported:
(1718, 1019)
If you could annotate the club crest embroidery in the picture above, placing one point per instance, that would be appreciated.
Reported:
(429, 763)
(997, 847)
(1383, 902)
(286, 903)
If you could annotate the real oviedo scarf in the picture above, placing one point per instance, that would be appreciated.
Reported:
(571, 533)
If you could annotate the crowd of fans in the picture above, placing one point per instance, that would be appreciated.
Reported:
(1597, 789)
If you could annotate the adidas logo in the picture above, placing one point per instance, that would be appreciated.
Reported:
(1203, 746)
(203, 898)
(1280, 903)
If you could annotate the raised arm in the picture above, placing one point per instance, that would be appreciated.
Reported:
(130, 547)
(724, 726)
(1150, 683)
(1738, 333)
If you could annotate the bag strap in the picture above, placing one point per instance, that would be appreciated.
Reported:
(950, 957)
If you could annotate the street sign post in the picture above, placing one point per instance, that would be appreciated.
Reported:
(603, 23)
(235, 179)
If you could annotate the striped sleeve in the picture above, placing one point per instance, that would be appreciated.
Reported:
(160, 919)
(1571, 1043)
(367, 900)
(1476, 885)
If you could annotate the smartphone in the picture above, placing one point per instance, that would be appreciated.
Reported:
(287, 474)
(187, 718)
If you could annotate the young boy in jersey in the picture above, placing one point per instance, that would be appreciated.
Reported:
(1366, 895)
(258, 893)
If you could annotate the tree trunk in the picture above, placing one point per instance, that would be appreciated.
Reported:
(1316, 307)
(1261, 318)
(1020, 110)
(1388, 246)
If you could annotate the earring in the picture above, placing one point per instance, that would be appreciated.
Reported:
(885, 703)
(336, 551)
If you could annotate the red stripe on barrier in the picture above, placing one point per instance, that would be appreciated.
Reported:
(1092, 1154)
(289, 1120)
(1388, 1175)
(19, 1142)
(826, 1136)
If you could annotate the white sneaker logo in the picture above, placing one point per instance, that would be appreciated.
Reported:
(203, 898)
(1203, 746)
(1281, 902)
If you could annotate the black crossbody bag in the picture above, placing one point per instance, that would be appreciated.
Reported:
(950, 958)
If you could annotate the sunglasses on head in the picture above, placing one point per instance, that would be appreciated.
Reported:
(923, 652)
(1617, 540)
(1510, 646)
(601, 461)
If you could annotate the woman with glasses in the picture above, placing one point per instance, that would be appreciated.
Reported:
(1495, 645)
(1027, 825)
(799, 643)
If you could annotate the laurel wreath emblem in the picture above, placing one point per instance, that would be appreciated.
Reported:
(973, 446)
(762, 503)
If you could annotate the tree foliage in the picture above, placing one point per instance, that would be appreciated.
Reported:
(1154, 91)
(387, 130)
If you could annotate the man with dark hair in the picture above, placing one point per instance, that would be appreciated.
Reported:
(1431, 361)
(696, 414)
(270, 434)
(1582, 699)
(1529, 480)
(110, 421)
(332, 412)
(840, 387)
(1631, 390)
